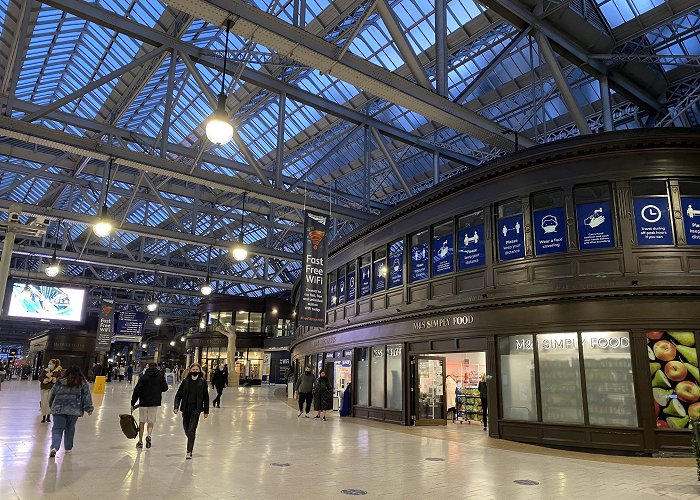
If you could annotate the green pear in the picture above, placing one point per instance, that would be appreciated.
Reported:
(660, 380)
(677, 422)
(693, 370)
(661, 395)
(654, 367)
(685, 338)
(651, 354)
(689, 353)
(675, 408)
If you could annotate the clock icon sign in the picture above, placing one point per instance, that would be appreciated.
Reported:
(651, 213)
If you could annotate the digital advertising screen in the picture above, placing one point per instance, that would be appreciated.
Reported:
(42, 302)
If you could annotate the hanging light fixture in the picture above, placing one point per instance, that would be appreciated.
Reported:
(26, 291)
(103, 227)
(239, 250)
(158, 321)
(153, 304)
(206, 287)
(218, 128)
(53, 268)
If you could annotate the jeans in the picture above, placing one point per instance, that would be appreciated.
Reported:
(63, 425)
(305, 397)
(485, 410)
(190, 421)
(217, 399)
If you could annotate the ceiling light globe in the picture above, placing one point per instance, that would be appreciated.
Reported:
(144, 345)
(182, 339)
(172, 342)
(158, 321)
(239, 253)
(102, 229)
(152, 306)
(219, 130)
(206, 289)
(52, 270)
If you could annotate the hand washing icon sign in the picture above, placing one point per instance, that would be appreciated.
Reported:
(596, 219)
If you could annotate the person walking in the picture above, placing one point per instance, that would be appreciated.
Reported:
(483, 394)
(130, 373)
(121, 373)
(69, 399)
(304, 388)
(225, 370)
(3, 372)
(192, 399)
(323, 395)
(47, 379)
(148, 394)
(218, 382)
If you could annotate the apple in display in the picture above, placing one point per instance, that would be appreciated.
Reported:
(688, 391)
(676, 371)
(655, 335)
(661, 424)
(657, 409)
(693, 410)
(664, 350)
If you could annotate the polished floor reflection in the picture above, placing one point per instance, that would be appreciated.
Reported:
(256, 447)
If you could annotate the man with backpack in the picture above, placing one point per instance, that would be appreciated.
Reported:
(148, 393)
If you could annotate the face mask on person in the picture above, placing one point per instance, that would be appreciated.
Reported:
(194, 375)
(50, 366)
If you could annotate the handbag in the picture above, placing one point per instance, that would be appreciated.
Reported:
(128, 425)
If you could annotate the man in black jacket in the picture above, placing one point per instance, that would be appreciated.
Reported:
(149, 395)
(192, 399)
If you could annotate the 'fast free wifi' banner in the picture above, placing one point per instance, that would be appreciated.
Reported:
(312, 305)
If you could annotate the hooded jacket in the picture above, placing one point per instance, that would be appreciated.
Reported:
(64, 400)
(150, 388)
(305, 384)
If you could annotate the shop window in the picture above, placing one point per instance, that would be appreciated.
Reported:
(380, 270)
(560, 378)
(549, 222)
(607, 365)
(351, 281)
(510, 229)
(471, 241)
(242, 321)
(225, 318)
(363, 376)
(341, 285)
(213, 320)
(366, 275)
(420, 254)
(652, 215)
(443, 248)
(332, 290)
(255, 322)
(517, 361)
(690, 206)
(396, 264)
(594, 216)
(377, 376)
(394, 379)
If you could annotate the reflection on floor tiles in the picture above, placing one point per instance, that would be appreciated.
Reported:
(238, 445)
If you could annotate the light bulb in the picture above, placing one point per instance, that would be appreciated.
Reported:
(152, 306)
(218, 128)
(182, 339)
(172, 342)
(240, 253)
(274, 311)
(144, 345)
(52, 269)
(158, 321)
(102, 229)
(206, 289)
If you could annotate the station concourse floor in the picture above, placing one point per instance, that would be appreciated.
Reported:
(239, 449)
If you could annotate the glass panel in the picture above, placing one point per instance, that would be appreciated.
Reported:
(377, 391)
(256, 321)
(226, 318)
(419, 255)
(213, 320)
(560, 378)
(592, 192)
(394, 381)
(242, 321)
(517, 359)
(363, 376)
(609, 385)
(443, 248)
(431, 391)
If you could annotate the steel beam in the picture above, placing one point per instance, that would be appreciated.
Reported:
(441, 51)
(390, 160)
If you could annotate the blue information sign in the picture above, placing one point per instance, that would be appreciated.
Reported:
(380, 272)
(443, 254)
(472, 248)
(341, 290)
(511, 238)
(365, 280)
(550, 231)
(396, 268)
(652, 221)
(130, 323)
(691, 219)
(595, 228)
(332, 295)
(351, 286)
(419, 262)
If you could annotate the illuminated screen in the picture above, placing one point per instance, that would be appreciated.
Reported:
(45, 302)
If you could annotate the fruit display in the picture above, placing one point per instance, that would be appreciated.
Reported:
(675, 378)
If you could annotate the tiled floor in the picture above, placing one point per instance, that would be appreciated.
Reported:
(238, 444)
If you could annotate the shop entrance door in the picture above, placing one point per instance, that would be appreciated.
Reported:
(429, 390)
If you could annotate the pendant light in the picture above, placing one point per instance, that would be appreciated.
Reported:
(206, 287)
(239, 251)
(153, 304)
(53, 268)
(26, 292)
(103, 227)
(218, 128)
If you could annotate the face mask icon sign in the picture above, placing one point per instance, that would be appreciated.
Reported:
(549, 223)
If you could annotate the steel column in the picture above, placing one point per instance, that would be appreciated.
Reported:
(608, 125)
(441, 47)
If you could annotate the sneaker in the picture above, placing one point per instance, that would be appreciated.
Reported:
(307, 415)
(188, 456)
(139, 444)
(68, 452)
(52, 453)
(317, 416)
(324, 419)
(148, 441)
(299, 414)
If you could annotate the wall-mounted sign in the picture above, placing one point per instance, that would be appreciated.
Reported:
(351, 286)
(380, 272)
(341, 290)
(471, 247)
(332, 295)
(130, 323)
(511, 238)
(443, 254)
(691, 219)
(365, 280)
(396, 268)
(652, 221)
(565, 341)
(550, 231)
(419, 262)
(312, 305)
(428, 324)
(595, 227)
(105, 326)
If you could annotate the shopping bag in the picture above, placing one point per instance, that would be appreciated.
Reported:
(128, 425)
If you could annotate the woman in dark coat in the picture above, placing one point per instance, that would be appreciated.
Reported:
(218, 382)
(192, 399)
(323, 395)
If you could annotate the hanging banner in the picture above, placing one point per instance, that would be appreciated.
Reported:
(550, 231)
(312, 306)
(419, 261)
(595, 228)
(365, 280)
(472, 247)
(511, 238)
(652, 221)
(105, 326)
(691, 220)
(130, 323)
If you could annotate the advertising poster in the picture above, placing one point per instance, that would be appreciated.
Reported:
(380, 272)
(471, 247)
(365, 280)
(691, 219)
(652, 221)
(595, 227)
(351, 286)
(105, 326)
(44, 302)
(511, 238)
(419, 262)
(396, 268)
(550, 231)
(341, 290)
(673, 364)
(443, 254)
(332, 295)
(130, 323)
(312, 305)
